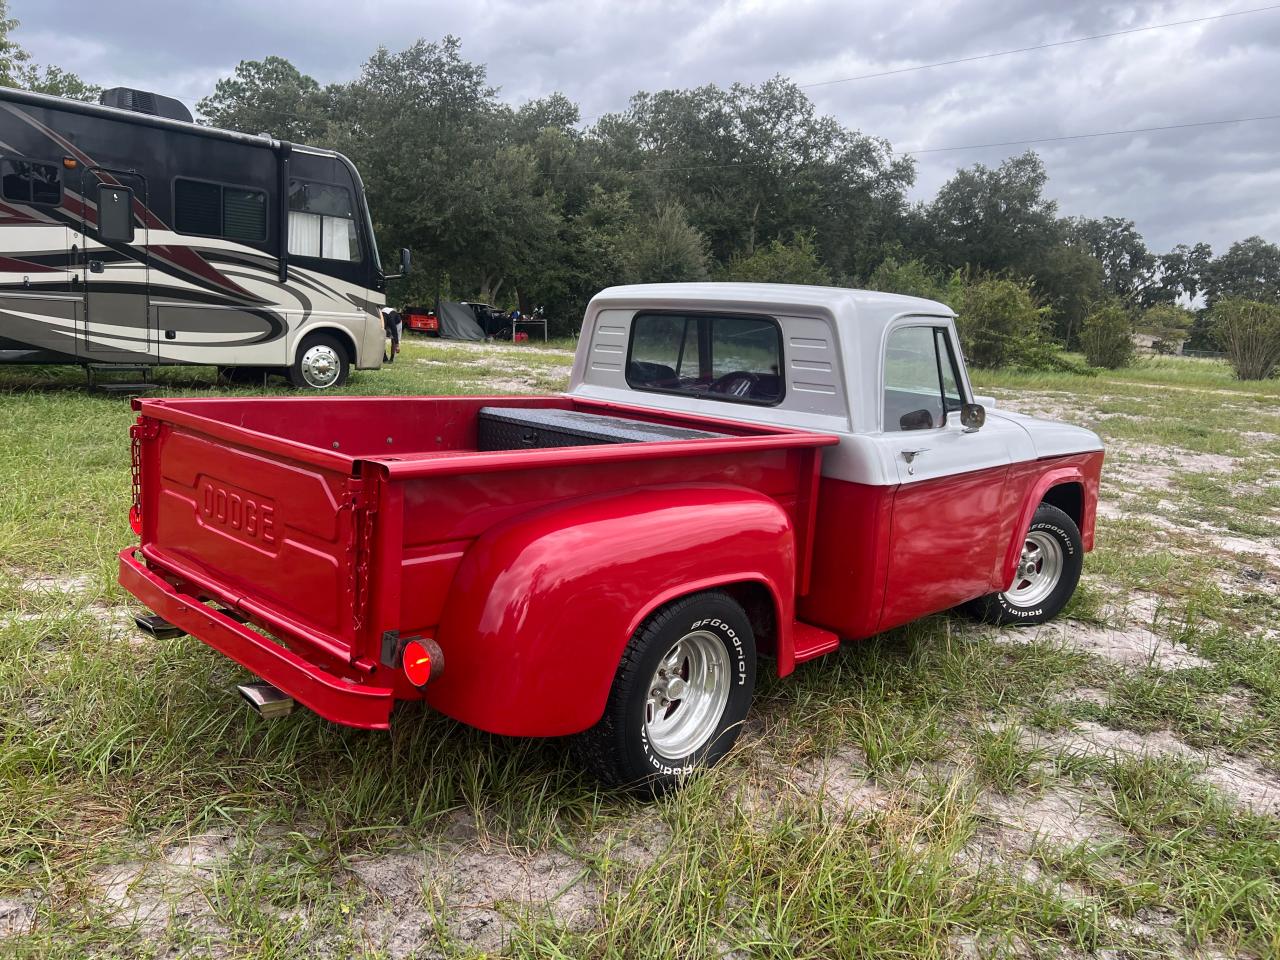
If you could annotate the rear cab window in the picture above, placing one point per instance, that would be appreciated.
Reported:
(716, 356)
(921, 379)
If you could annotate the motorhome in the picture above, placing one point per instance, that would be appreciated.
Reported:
(132, 237)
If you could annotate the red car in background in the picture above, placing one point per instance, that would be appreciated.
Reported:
(421, 320)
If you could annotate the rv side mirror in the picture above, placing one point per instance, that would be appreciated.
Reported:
(406, 260)
(972, 416)
(115, 213)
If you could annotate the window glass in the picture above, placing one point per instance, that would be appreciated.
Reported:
(23, 181)
(197, 207)
(912, 395)
(322, 221)
(213, 210)
(949, 372)
(244, 214)
(721, 358)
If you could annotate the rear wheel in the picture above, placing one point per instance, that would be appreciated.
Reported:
(1047, 574)
(679, 697)
(320, 364)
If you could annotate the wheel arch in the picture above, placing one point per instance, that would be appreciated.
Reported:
(341, 334)
(542, 606)
(1060, 485)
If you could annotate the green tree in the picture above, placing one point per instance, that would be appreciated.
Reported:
(1249, 270)
(1128, 267)
(1249, 332)
(996, 220)
(1107, 337)
(665, 248)
(1069, 282)
(269, 96)
(793, 261)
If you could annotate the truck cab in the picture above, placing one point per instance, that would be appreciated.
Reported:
(922, 510)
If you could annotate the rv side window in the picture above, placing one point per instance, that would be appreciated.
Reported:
(322, 221)
(23, 181)
(213, 210)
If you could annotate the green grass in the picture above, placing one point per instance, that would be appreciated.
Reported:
(113, 750)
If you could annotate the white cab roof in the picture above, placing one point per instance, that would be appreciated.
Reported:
(867, 306)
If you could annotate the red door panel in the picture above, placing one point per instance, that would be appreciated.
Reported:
(945, 533)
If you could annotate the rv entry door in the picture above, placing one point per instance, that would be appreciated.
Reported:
(115, 261)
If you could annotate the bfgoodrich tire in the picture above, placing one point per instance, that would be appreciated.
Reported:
(320, 364)
(1048, 571)
(678, 700)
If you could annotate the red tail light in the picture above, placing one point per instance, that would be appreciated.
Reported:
(422, 661)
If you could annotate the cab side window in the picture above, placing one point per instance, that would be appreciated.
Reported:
(921, 379)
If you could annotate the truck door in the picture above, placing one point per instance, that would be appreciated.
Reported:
(116, 327)
(947, 509)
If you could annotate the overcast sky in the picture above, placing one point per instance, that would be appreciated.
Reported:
(1217, 184)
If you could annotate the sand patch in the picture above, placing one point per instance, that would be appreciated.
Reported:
(1134, 647)
(476, 893)
(1243, 780)
(17, 916)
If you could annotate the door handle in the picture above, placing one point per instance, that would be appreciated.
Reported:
(910, 457)
(95, 266)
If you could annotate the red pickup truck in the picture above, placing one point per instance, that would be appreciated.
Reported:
(738, 471)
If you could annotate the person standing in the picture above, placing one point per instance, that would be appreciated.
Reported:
(391, 324)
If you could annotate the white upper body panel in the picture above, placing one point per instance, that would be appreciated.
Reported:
(833, 342)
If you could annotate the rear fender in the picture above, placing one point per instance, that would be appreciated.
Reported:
(542, 606)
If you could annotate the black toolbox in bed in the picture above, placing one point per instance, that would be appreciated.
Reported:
(518, 428)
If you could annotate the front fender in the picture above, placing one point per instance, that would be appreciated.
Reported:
(1027, 510)
(542, 606)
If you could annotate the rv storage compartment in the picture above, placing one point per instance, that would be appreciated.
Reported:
(518, 428)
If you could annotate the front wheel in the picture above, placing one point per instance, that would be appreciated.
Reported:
(681, 692)
(1047, 574)
(320, 364)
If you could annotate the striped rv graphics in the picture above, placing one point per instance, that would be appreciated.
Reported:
(68, 295)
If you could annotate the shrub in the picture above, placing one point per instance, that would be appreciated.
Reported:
(1107, 338)
(912, 277)
(1169, 324)
(1249, 332)
(1001, 325)
(795, 261)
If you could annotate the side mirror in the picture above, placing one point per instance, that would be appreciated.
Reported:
(406, 260)
(972, 416)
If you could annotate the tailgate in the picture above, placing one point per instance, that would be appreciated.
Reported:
(269, 535)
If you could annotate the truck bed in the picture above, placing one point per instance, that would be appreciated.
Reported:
(329, 524)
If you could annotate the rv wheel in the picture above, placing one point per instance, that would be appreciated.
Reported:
(320, 364)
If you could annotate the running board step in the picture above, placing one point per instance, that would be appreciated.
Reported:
(810, 641)
(113, 387)
(158, 627)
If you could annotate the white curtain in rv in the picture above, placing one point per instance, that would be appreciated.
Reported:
(304, 233)
(339, 239)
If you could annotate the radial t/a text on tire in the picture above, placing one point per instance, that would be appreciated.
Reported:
(677, 702)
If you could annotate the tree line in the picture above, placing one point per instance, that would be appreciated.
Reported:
(523, 206)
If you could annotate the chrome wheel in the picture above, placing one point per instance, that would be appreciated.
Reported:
(1039, 569)
(320, 366)
(687, 695)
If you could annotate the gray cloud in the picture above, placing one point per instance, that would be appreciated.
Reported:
(1214, 183)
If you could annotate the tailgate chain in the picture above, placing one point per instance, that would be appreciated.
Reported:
(144, 429)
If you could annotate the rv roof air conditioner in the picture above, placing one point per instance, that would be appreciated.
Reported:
(142, 101)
